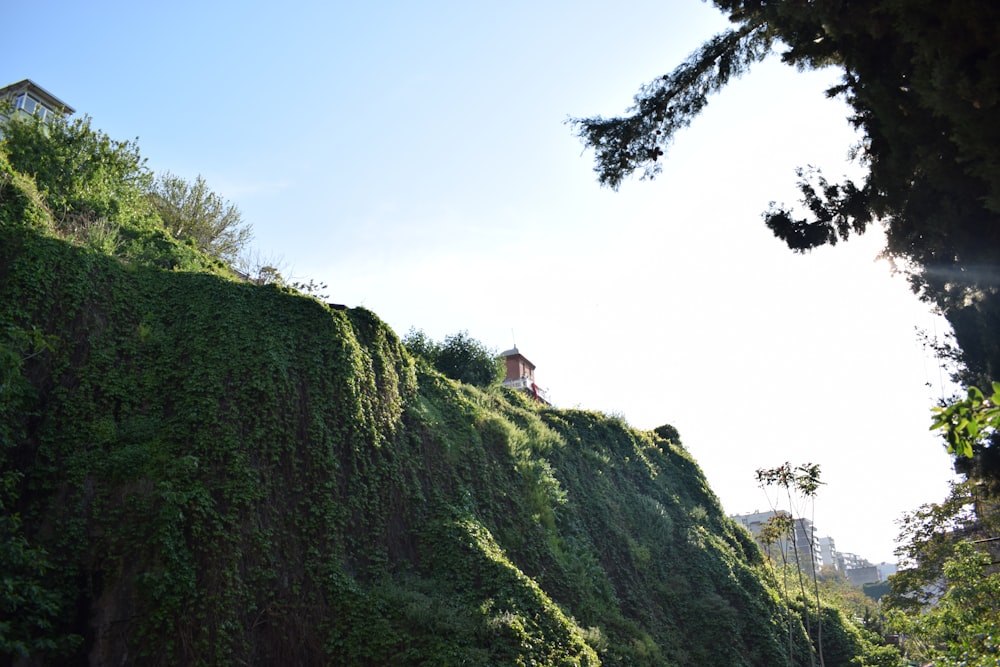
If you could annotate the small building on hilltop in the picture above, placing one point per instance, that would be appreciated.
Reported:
(29, 99)
(521, 375)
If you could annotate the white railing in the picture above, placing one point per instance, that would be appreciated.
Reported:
(527, 385)
(518, 383)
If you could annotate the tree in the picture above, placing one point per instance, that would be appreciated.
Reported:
(803, 482)
(464, 358)
(460, 357)
(192, 211)
(923, 82)
(963, 624)
(419, 344)
(773, 533)
(927, 539)
(944, 599)
(83, 174)
(668, 432)
(94, 190)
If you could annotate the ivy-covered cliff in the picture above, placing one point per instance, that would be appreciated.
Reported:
(198, 470)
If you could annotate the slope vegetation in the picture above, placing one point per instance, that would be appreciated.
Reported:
(197, 470)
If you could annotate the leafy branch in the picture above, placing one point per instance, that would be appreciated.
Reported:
(668, 104)
(970, 421)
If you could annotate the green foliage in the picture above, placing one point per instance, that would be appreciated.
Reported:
(201, 471)
(836, 615)
(943, 600)
(966, 423)
(800, 482)
(669, 104)
(20, 202)
(927, 539)
(81, 172)
(420, 345)
(669, 433)
(875, 591)
(192, 211)
(960, 628)
(923, 99)
(76, 182)
(853, 601)
(967, 617)
(29, 609)
(659, 536)
(459, 356)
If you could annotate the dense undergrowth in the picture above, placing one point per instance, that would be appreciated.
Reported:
(197, 470)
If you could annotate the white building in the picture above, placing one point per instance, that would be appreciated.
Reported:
(802, 542)
(819, 551)
(828, 552)
(27, 98)
(848, 561)
(885, 570)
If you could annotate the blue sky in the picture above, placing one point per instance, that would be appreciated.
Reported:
(415, 157)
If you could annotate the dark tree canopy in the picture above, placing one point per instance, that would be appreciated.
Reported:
(923, 81)
(460, 357)
(668, 432)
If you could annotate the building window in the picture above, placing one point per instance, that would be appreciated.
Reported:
(24, 102)
(30, 105)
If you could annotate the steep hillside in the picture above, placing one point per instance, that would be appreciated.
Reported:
(196, 470)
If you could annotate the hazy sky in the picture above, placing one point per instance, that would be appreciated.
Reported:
(415, 157)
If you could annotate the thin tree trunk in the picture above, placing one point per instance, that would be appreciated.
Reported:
(802, 587)
(819, 610)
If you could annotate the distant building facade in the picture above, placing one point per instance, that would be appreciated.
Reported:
(885, 570)
(27, 98)
(848, 561)
(827, 552)
(866, 574)
(520, 374)
(815, 552)
(804, 546)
